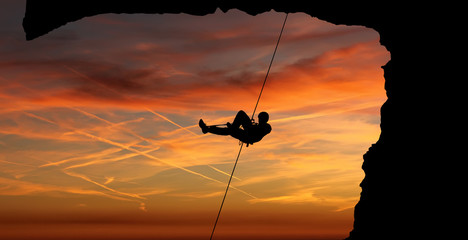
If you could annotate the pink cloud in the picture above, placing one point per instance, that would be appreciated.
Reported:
(350, 69)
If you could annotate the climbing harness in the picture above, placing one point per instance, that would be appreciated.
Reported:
(253, 114)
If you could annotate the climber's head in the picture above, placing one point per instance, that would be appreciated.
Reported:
(263, 117)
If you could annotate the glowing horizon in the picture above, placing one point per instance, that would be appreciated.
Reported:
(98, 125)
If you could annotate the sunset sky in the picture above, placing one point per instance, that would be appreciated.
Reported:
(99, 132)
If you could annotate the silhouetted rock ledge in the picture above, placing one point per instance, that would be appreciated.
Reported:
(405, 191)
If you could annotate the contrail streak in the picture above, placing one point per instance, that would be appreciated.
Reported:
(40, 118)
(101, 139)
(92, 115)
(103, 186)
(95, 155)
(25, 188)
(167, 119)
(222, 172)
(159, 160)
(18, 164)
(321, 114)
(100, 161)
(244, 192)
(112, 124)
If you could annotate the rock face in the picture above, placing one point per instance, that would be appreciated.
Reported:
(403, 194)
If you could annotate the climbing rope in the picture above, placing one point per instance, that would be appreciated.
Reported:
(253, 114)
(225, 193)
(269, 67)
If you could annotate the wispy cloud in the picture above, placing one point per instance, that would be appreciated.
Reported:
(311, 196)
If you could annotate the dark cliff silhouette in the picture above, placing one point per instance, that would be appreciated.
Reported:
(405, 192)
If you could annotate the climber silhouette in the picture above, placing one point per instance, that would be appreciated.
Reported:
(250, 132)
